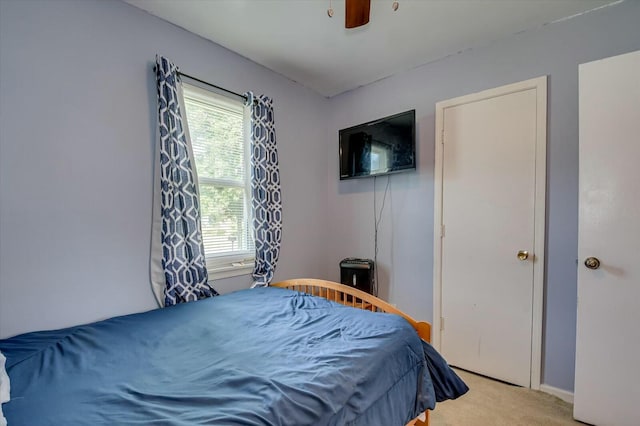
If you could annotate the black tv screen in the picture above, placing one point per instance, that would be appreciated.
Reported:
(379, 147)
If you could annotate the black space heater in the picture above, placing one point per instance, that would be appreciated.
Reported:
(357, 273)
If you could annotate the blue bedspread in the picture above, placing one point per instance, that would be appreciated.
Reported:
(255, 357)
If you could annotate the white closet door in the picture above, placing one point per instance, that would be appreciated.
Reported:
(488, 214)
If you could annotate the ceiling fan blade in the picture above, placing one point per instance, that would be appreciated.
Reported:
(356, 13)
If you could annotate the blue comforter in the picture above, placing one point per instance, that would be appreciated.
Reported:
(255, 357)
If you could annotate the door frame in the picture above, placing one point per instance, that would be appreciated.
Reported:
(540, 85)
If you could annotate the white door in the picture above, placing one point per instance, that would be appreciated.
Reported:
(607, 385)
(489, 186)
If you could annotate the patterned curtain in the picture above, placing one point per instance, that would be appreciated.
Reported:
(178, 268)
(265, 187)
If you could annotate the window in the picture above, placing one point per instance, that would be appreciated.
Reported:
(217, 129)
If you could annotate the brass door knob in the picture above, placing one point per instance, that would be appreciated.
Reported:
(592, 262)
(523, 255)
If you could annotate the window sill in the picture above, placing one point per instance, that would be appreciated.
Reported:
(230, 270)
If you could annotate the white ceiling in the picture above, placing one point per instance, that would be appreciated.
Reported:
(297, 39)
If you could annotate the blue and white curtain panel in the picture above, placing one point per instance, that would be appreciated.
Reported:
(178, 266)
(265, 187)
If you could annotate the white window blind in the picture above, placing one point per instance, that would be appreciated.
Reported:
(216, 126)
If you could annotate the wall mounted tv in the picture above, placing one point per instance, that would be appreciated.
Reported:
(379, 147)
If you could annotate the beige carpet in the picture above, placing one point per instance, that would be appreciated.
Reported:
(493, 403)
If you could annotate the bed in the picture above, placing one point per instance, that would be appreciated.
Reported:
(289, 354)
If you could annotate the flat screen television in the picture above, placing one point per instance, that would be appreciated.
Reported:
(379, 147)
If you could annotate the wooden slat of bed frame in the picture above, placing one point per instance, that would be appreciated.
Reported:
(359, 299)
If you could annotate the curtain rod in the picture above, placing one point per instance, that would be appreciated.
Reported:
(211, 85)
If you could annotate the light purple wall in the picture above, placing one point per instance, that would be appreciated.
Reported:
(406, 234)
(77, 123)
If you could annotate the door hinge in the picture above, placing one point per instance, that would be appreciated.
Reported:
(442, 230)
(441, 323)
(442, 137)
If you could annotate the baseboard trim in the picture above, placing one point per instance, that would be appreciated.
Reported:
(564, 395)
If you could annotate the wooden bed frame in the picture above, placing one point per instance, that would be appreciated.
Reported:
(350, 296)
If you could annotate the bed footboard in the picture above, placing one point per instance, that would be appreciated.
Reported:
(358, 299)
(352, 297)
